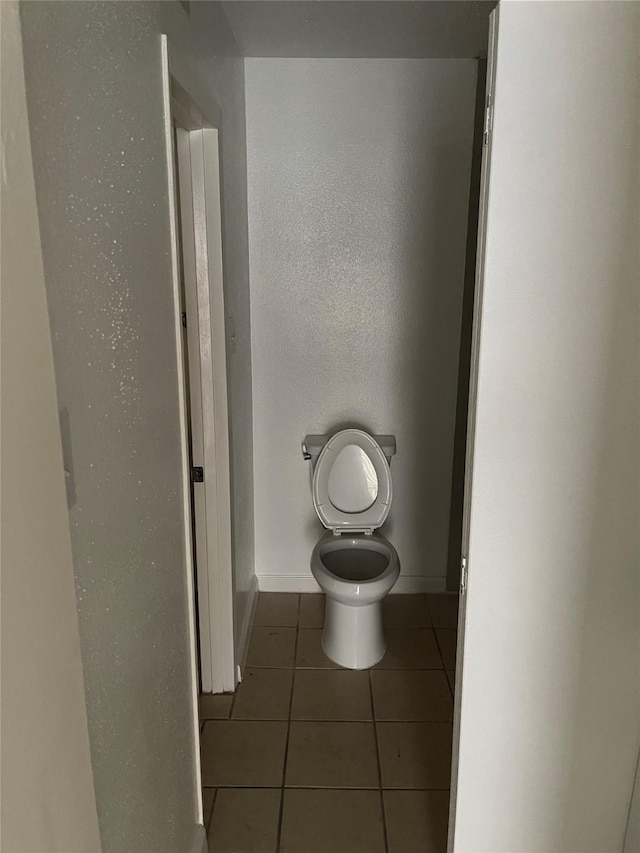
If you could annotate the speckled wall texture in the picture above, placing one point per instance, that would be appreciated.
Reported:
(358, 195)
(96, 113)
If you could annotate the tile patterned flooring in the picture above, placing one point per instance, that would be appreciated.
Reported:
(307, 757)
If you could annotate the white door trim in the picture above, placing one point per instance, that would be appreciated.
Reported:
(186, 105)
(200, 204)
(182, 408)
(471, 416)
(200, 211)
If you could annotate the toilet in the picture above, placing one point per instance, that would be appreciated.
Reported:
(355, 566)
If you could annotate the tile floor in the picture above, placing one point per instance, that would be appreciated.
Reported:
(307, 757)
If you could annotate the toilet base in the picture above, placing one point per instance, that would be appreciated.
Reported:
(353, 636)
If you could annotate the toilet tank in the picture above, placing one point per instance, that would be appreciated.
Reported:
(313, 444)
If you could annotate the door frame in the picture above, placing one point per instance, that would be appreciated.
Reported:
(198, 210)
(471, 413)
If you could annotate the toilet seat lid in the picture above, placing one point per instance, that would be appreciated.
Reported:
(352, 483)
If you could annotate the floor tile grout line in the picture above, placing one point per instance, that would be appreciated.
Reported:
(208, 823)
(426, 604)
(356, 721)
(452, 686)
(379, 766)
(235, 696)
(286, 747)
(254, 787)
(346, 669)
(443, 664)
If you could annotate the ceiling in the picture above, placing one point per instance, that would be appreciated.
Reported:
(436, 29)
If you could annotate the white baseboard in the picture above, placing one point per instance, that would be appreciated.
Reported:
(247, 624)
(200, 843)
(417, 583)
(288, 583)
(307, 583)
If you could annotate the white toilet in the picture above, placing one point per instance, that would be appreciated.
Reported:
(355, 566)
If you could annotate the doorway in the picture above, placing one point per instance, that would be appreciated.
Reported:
(264, 728)
(192, 128)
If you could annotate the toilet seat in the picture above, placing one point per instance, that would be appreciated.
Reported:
(352, 483)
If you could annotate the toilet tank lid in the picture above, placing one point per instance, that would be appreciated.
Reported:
(313, 444)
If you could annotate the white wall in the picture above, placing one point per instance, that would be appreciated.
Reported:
(95, 106)
(358, 193)
(48, 801)
(550, 682)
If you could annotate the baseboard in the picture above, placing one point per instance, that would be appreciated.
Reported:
(288, 583)
(247, 624)
(406, 584)
(417, 583)
(200, 843)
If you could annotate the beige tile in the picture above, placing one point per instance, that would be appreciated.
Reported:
(331, 755)
(208, 796)
(277, 610)
(332, 822)
(331, 694)
(264, 694)
(405, 611)
(245, 821)
(310, 654)
(416, 821)
(409, 694)
(271, 647)
(415, 755)
(215, 706)
(243, 753)
(443, 607)
(311, 610)
(447, 640)
(415, 648)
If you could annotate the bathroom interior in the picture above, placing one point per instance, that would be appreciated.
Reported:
(363, 180)
(350, 140)
(351, 143)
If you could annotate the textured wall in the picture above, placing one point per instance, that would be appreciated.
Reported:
(358, 192)
(96, 113)
(47, 799)
(550, 704)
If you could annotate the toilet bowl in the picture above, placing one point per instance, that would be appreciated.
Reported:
(354, 566)
(355, 572)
